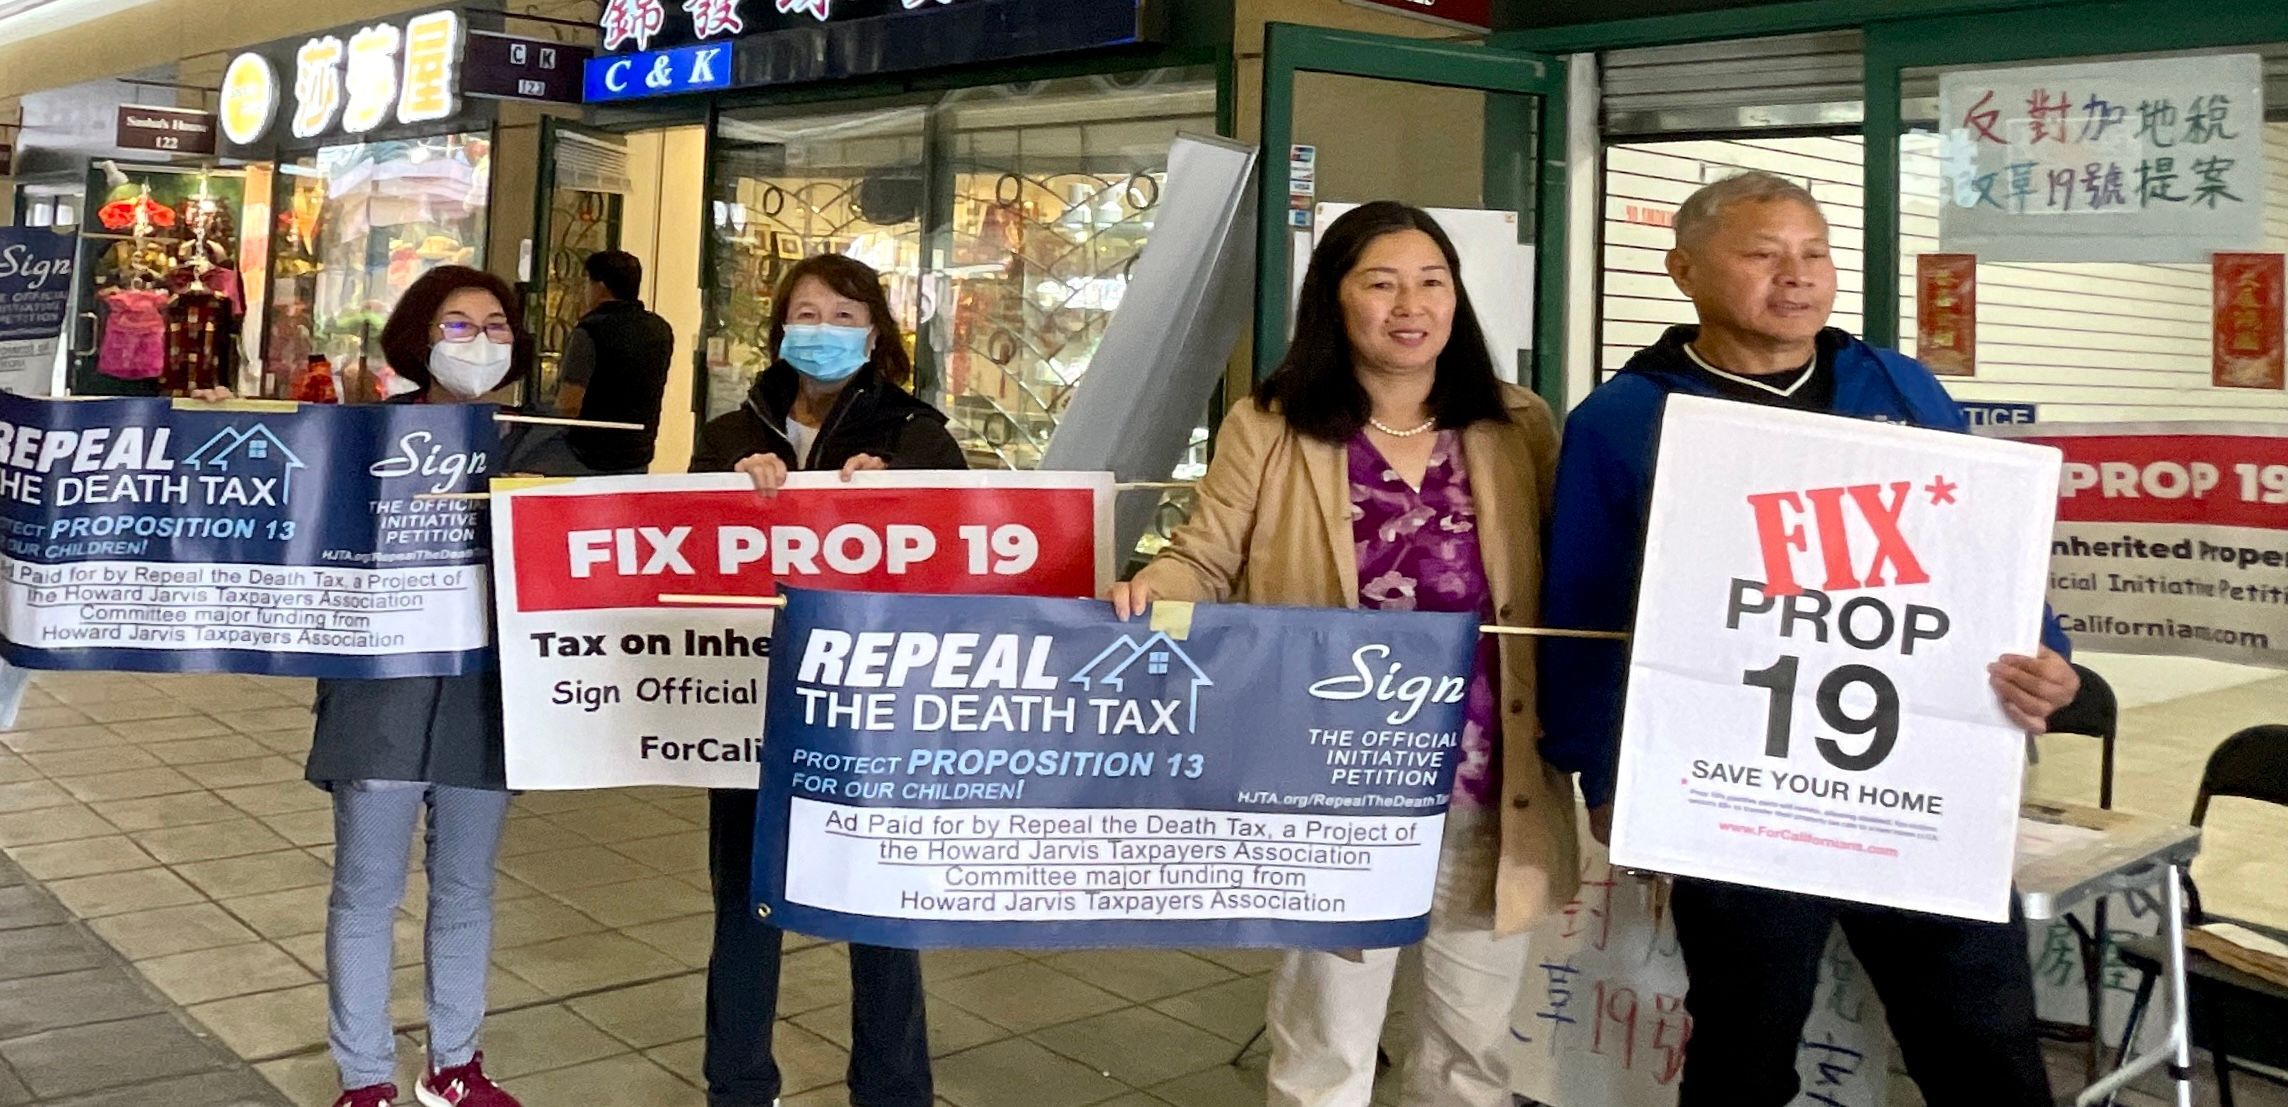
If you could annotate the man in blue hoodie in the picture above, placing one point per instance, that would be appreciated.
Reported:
(1752, 253)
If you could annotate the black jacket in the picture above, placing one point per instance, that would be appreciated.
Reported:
(435, 730)
(623, 353)
(871, 416)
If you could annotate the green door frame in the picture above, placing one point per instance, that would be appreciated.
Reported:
(2089, 29)
(1531, 175)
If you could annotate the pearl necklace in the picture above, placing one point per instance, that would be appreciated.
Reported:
(1378, 424)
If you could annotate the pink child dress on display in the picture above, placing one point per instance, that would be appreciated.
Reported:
(134, 334)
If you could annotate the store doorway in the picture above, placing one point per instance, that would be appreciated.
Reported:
(639, 191)
(1350, 117)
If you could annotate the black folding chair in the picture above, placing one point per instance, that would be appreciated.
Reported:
(2234, 1014)
(2095, 712)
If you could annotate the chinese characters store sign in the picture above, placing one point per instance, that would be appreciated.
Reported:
(637, 21)
(2158, 160)
(676, 47)
(347, 86)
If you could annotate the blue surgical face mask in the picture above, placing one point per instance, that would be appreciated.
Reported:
(824, 352)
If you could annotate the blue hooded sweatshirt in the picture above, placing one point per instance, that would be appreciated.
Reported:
(1597, 529)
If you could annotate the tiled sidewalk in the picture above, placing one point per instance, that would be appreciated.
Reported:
(169, 814)
(78, 1026)
(166, 816)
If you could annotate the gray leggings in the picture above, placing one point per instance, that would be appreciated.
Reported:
(373, 838)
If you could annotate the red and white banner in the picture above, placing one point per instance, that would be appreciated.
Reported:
(604, 685)
(1808, 706)
(2172, 538)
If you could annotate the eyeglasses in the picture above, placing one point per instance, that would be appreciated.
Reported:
(461, 330)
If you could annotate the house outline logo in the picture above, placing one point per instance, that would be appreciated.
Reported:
(221, 454)
(1161, 657)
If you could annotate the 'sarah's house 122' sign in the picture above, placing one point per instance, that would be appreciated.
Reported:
(397, 72)
(666, 47)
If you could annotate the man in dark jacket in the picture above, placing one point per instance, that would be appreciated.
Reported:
(615, 367)
(1752, 253)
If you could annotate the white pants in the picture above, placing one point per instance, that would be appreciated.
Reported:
(1327, 1011)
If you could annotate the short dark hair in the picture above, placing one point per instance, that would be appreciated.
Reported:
(1316, 387)
(848, 276)
(405, 338)
(620, 272)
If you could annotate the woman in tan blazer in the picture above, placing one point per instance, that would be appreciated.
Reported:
(1385, 465)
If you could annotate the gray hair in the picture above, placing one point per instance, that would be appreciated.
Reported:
(1697, 219)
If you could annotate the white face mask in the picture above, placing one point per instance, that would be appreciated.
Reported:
(470, 368)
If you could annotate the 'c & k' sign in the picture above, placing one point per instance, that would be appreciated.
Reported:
(659, 73)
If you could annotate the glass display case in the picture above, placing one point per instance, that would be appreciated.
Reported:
(1005, 221)
(354, 226)
(145, 228)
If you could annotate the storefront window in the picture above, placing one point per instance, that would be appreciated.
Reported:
(154, 241)
(354, 227)
(2106, 338)
(1005, 220)
(790, 186)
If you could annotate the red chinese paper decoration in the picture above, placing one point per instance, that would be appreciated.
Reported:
(2249, 322)
(1946, 313)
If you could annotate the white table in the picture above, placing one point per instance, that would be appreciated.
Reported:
(2069, 855)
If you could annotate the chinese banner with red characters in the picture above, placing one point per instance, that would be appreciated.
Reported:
(2249, 321)
(605, 684)
(1946, 313)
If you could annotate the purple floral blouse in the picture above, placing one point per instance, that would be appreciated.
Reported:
(1418, 551)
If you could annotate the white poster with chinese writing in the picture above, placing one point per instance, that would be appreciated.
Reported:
(2061, 989)
(1600, 1021)
(1809, 706)
(2151, 160)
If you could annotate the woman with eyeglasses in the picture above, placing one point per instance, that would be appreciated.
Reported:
(387, 749)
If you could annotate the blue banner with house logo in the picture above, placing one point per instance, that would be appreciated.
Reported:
(945, 771)
(136, 535)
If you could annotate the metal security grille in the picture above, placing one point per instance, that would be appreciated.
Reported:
(1789, 81)
(591, 164)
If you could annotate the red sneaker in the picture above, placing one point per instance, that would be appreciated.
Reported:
(372, 1095)
(462, 1086)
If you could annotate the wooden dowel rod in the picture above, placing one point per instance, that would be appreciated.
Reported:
(1145, 486)
(241, 403)
(553, 421)
(688, 599)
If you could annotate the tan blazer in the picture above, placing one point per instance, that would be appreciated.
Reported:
(1271, 524)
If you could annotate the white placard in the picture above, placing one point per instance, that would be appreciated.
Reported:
(2156, 159)
(1808, 702)
(28, 367)
(605, 685)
